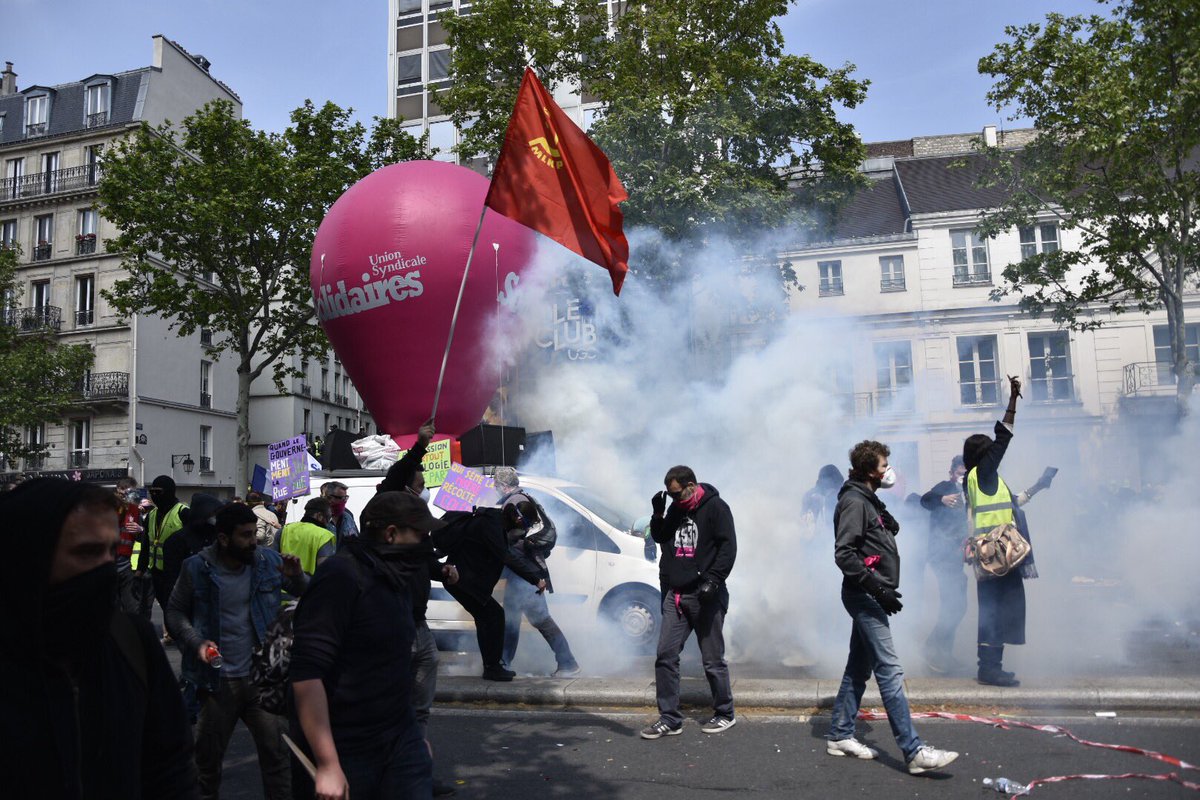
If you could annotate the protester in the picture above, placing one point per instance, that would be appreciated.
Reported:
(163, 521)
(477, 544)
(91, 706)
(407, 475)
(820, 501)
(226, 597)
(865, 551)
(990, 504)
(268, 521)
(948, 513)
(130, 590)
(309, 540)
(199, 532)
(341, 520)
(351, 660)
(699, 546)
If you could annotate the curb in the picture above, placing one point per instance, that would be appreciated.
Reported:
(1124, 694)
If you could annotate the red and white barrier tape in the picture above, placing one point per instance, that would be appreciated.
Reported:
(1005, 724)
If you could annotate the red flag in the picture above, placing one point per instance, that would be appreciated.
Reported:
(551, 177)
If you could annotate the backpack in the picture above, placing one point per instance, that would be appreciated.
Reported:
(271, 662)
(543, 538)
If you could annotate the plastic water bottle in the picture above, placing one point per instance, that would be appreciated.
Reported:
(1004, 785)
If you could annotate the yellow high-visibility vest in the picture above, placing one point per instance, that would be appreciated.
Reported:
(158, 536)
(989, 510)
(304, 540)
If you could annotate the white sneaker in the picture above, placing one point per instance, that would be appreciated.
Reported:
(928, 758)
(850, 747)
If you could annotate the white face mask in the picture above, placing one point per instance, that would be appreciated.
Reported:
(889, 479)
(425, 495)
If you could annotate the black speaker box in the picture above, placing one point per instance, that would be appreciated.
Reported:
(492, 445)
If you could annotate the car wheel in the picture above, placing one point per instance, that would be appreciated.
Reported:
(634, 614)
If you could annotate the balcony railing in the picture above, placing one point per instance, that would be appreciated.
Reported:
(96, 120)
(830, 289)
(324, 394)
(1151, 378)
(341, 399)
(85, 244)
(1056, 389)
(78, 459)
(894, 400)
(305, 390)
(105, 386)
(35, 463)
(205, 400)
(976, 278)
(205, 464)
(892, 284)
(37, 318)
(43, 252)
(35, 129)
(71, 179)
(84, 318)
(979, 394)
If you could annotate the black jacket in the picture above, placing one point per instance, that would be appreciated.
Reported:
(863, 528)
(476, 543)
(715, 545)
(196, 534)
(946, 523)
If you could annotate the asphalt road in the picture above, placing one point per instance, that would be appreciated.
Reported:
(502, 754)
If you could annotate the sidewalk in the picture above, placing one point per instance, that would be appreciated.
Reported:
(808, 695)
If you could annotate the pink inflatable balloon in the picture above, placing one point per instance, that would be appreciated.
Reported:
(385, 272)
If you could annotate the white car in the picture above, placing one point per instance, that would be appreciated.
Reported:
(601, 573)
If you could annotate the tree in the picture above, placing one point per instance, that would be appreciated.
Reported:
(712, 128)
(217, 225)
(1115, 102)
(39, 378)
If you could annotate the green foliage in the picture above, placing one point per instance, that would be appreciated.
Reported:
(39, 378)
(217, 222)
(711, 127)
(1115, 101)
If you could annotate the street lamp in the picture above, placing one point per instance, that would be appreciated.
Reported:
(186, 460)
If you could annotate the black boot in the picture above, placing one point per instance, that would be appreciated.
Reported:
(990, 673)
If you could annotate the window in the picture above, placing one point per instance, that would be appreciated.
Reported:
(50, 172)
(970, 259)
(410, 37)
(408, 6)
(891, 273)
(206, 384)
(91, 160)
(1050, 367)
(307, 429)
(37, 114)
(44, 227)
(96, 105)
(324, 384)
(35, 436)
(41, 294)
(893, 375)
(14, 171)
(85, 300)
(326, 424)
(85, 238)
(831, 278)
(1038, 239)
(977, 384)
(8, 233)
(442, 136)
(205, 449)
(408, 69)
(81, 443)
(1162, 351)
(439, 65)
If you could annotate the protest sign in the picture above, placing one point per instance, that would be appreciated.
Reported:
(435, 463)
(464, 489)
(288, 468)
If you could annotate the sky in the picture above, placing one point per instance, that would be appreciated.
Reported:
(920, 57)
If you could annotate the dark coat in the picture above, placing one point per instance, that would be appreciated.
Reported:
(863, 528)
(476, 543)
(715, 548)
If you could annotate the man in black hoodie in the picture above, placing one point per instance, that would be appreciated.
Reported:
(698, 549)
(947, 530)
(865, 551)
(91, 706)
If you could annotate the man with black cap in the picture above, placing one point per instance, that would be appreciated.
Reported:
(351, 659)
(163, 521)
(91, 706)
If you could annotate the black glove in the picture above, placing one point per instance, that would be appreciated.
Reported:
(659, 503)
(708, 590)
(885, 595)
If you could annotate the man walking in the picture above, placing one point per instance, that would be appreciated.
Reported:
(163, 521)
(341, 520)
(129, 529)
(699, 546)
(226, 597)
(947, 529)
(865, 551)
(309, 540)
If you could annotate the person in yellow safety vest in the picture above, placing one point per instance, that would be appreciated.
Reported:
(990, 504)
(161, 523)
(309, 539)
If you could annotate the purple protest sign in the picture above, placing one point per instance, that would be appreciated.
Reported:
(288, 468)
(464, 488)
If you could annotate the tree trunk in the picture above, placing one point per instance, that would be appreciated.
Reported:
(1185, 371)
(243, 430)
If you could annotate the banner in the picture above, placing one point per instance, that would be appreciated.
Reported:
(435, 463)
(464, 488)
(288, 468)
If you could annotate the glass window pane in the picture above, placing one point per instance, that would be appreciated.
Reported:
(439, 64)
(1027, 234)
(987, 349)
(408, 6)
(437, 33)
(408, 69)
(410, 38)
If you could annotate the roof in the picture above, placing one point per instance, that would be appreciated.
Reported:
(873, 211)
(67, 105)
(947, 183)
(899, 148)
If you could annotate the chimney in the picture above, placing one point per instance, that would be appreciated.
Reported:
(8, 80)
(989, 135)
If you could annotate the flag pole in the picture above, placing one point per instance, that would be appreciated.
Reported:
(437, 396)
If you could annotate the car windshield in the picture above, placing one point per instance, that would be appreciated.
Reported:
(598, 507)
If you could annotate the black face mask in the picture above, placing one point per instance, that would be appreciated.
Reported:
(76, 612)
(403, 552)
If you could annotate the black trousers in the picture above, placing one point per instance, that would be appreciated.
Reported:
(489, 623)
(1002, 609)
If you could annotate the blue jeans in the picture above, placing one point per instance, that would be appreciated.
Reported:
(521, 598)
(398, 770)
(871, 650)
(679, 619)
